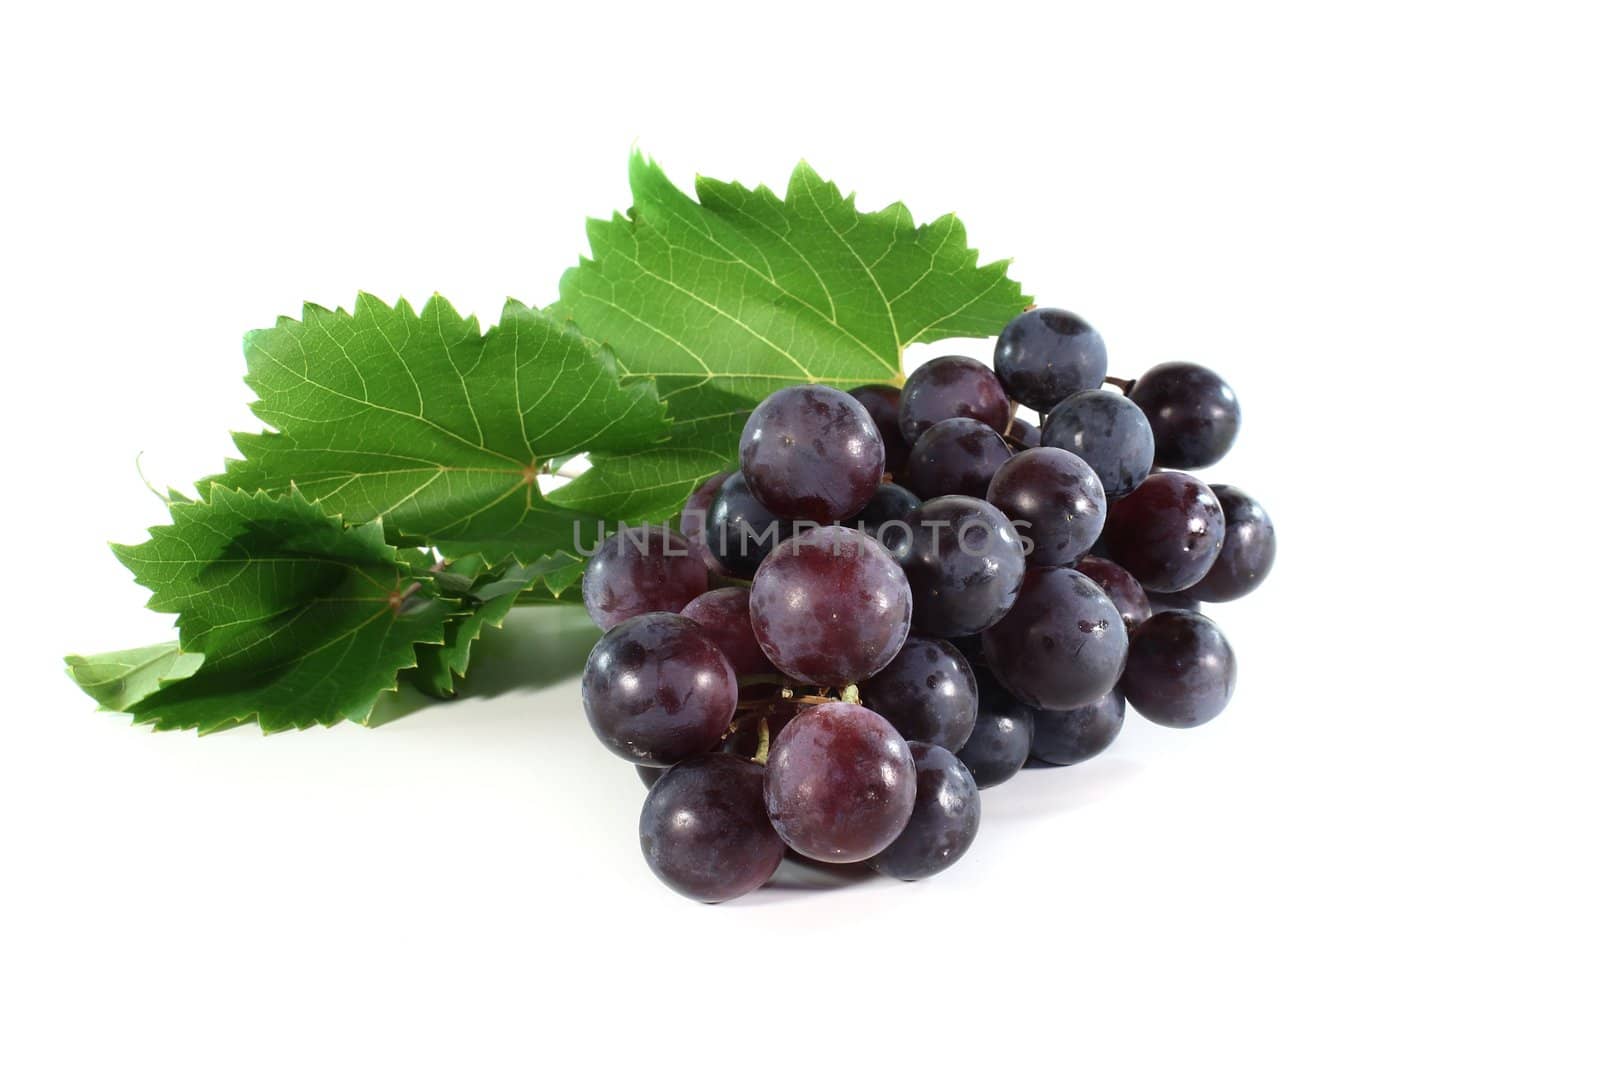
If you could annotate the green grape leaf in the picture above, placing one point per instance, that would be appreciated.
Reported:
(483, 597)
(119, 680)
(726, 296)
(556, 576)
(298, 619)
(433, 426)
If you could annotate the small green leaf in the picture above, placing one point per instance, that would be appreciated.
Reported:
(436, 428)
(119, 680)
(729, 297)
(482, 598)
(557, 573)
(298, 619)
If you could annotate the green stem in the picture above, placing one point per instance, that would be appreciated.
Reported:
(765, 744)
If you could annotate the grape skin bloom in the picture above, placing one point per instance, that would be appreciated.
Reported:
(1194, 414)
(964, 561)
(1249, 546)
(956, 457)
(1057, 496)
(1001, 735)
(1167, 533)
(1069, 737)
(841, 783)
(928, 692)
(811, 452)
(1132, 602)
(1181, 669)
(640, 569)
(1061, 645)
(704, 829)
(1045, 354)
(657, 689)
(830, 606)
(1108, 432)
(724, 614)
(951, 387)
(944, 819)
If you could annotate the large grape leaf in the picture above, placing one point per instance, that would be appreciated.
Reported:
(433, 426)
(297, 619)
(727, 297)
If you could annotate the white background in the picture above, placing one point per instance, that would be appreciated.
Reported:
(1378, 221)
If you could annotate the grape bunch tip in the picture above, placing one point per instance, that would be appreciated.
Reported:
(900, 597)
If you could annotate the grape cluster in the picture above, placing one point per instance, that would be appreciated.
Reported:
(901, 596)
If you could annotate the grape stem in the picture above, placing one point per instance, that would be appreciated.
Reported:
(765, 744)
(1125, 384)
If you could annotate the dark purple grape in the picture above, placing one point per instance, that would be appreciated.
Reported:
(927, 692)
(640, 569)
(964, 561)
(692, 520)
(1167, 533)
(830, 606)
(649, 775)
(1062, 643)
(955, 457)
(704, 828)
(811, 452)
(724, 614)
(951, 387)
(1193, 413)
(658, 690)
(1111, 434)
(1022, 434)
(891, 503)
(1123, 588)
(1054, 500)
(1001, 735)
(740, 531)
(841, 783)
(1249, 545)
(883, 404)
(1180, 670)
(944, 820)
(1067, 737)
(1045, 354)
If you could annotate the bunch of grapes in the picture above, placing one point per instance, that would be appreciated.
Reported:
(902, 595)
